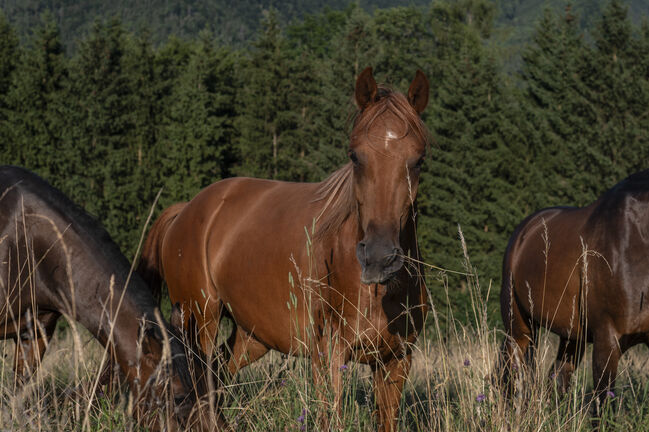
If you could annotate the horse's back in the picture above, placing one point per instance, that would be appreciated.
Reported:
(241, 212)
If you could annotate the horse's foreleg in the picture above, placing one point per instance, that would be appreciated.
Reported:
(520, 336)
(388, 386)
(240, 350)
(31, 347)
(606, 355)
(328, 366)
(568, 358)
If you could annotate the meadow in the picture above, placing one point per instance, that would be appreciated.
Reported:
(450, 387)
(120, 117)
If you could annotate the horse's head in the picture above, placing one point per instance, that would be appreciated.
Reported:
(387, 149)
(163, 376)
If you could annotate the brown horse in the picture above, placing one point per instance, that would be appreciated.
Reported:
(311, 269)
(56, 260)
(580, 272)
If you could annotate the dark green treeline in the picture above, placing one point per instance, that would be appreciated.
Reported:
(120, 119)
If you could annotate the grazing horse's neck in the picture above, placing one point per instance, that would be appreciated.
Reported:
(91, 290)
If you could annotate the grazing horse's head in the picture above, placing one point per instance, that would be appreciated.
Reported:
(387, 148)
(163, 377)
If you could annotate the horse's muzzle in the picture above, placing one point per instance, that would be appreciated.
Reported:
(378, 264)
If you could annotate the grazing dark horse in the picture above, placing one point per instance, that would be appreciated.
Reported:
(312, 269)
(582, 273)
(56, 260)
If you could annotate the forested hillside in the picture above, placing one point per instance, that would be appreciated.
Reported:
(122, 117)
(235, 23)
(231, 22)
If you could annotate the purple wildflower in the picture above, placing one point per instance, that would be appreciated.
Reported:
(301, 419)
(467, 362)
(481, 397)
(553, 375)
(282, 383)
(343, 368)
(610, 394)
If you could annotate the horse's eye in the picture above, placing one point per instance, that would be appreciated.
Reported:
(353, 157)
(418, 164)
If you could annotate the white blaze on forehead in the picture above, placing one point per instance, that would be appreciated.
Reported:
(389, 135)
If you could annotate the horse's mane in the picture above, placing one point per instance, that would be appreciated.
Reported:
(80, 221)
(338, 193)
(337, 190)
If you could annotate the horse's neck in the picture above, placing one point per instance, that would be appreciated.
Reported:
(408, 237)
(92, 291)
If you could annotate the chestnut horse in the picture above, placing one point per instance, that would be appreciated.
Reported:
(312, 269)
(56, 260)
(581, 273)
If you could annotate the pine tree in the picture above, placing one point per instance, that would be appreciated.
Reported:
(197, 141)
(619, 92)
(104, 178)
(558, 110)
(404, 44)
(274, 101)
(352, 49)
(478, 167)
(36, 105)
(9, 54)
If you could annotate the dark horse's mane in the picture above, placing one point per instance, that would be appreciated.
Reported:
(337, 189)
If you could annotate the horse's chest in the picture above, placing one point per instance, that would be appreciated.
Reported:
(378, 324)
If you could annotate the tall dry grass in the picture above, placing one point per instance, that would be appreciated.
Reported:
(449, 387)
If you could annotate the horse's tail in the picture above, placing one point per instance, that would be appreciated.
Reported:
(510, 313)
(150, 266)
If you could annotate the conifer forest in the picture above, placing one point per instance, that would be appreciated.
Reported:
(117, 115)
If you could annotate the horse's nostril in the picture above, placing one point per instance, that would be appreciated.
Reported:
(361, 253)
(394, 258)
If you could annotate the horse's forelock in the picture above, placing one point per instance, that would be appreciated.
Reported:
(397, 104)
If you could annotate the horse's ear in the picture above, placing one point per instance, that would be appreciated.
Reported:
(418, 92)
(176, 319)
(366, 88)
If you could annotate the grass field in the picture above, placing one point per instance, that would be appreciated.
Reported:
(449, 388)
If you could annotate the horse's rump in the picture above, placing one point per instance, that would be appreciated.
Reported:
(150, 266)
